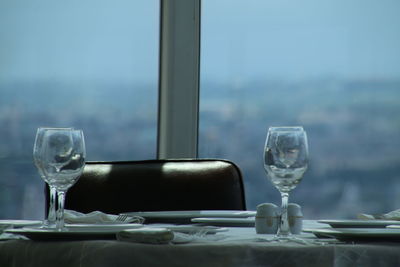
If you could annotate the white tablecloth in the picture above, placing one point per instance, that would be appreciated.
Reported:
(241, 247)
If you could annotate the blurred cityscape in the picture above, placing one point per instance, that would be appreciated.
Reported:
(353, 129)
(119, 123)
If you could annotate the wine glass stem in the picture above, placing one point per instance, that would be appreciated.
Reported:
(51, 217)
(284, 229)
(60, 211)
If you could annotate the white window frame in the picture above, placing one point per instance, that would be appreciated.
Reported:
(178, 108)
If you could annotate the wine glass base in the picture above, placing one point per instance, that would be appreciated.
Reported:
(48, 225)
(64, 229)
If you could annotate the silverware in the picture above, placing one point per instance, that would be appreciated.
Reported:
(126, 218)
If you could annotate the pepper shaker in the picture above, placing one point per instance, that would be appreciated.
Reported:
(295, 218)
(267, 219)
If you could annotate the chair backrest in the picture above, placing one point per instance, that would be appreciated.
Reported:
(158, 185)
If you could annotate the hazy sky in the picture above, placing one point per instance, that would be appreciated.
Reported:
(241, 39)
(301, 39)
(79, 39)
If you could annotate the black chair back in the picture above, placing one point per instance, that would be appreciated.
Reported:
(158, 185)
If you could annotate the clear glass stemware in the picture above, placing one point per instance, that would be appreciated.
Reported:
(38, 149)
(285, 161)
(65, 155)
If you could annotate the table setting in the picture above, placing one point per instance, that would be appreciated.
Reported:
(365, 227)
(59, 154)
(99, 226)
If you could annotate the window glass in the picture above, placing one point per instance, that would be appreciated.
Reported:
(86, 64)
(330, 66)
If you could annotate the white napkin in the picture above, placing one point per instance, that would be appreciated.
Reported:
(9, 224)
(8, 236)
(393, 215)
(154, 235)
(96, 217)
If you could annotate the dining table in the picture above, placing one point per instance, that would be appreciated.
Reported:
(226, 246)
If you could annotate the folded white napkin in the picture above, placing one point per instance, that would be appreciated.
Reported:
(152, 235)
(97, 217)
(393, 215)
(8, 236)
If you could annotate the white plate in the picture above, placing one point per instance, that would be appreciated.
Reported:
(186, 216)
(233, 222)
(354, 234)
(19, 223)
(82, 233)
(102, 227)
(393, 226)
(190, 229)
(359, 223)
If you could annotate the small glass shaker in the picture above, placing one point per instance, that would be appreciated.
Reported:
(267, 219)
(295, 218)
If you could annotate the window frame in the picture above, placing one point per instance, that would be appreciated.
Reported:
(179, 67)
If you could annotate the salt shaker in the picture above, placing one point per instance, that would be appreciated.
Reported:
(267, 219)
(295, 217)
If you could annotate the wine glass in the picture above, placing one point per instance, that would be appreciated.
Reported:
(285, 161)
(64, 160)
(38, 147)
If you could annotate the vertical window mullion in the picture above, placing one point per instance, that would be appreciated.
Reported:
(179, 79)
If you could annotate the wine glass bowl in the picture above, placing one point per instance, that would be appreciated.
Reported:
(285, 161)
(58, 150)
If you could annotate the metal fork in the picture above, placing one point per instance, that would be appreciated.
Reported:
(126, 218)
(123, 218)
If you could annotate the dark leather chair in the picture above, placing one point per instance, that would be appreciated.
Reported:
(158, 185)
